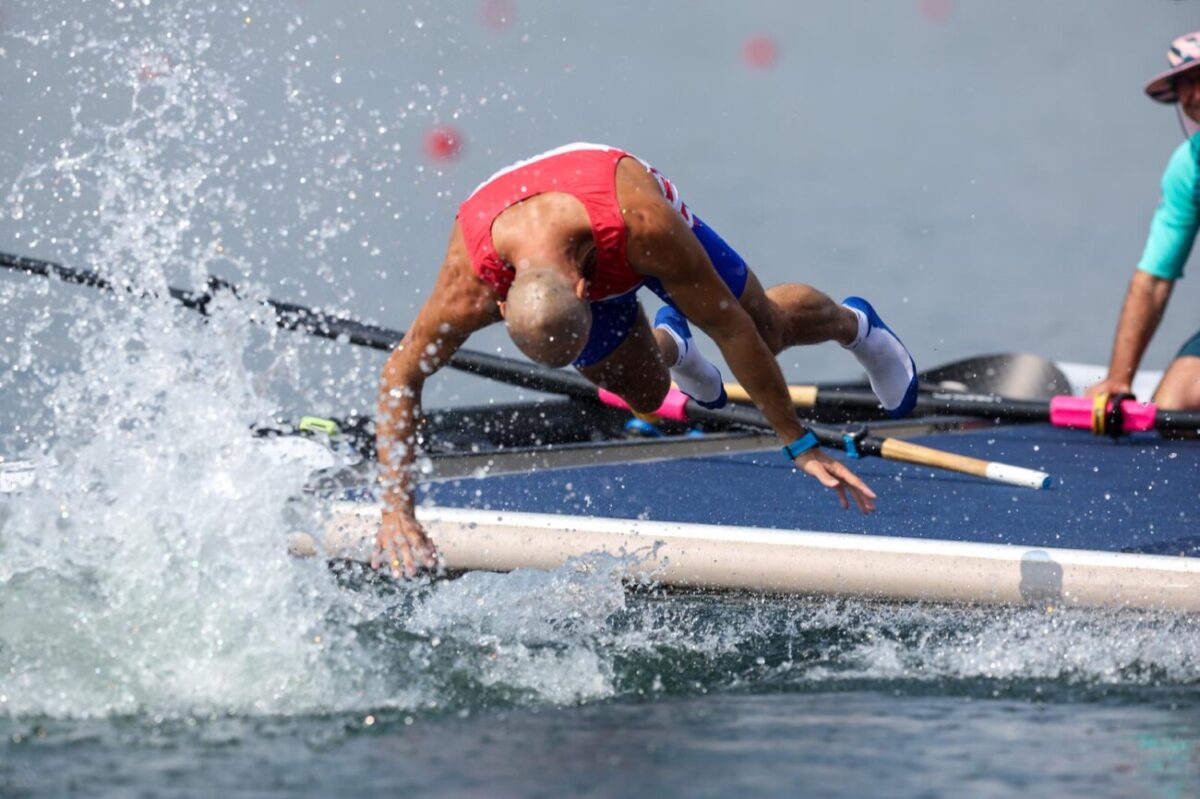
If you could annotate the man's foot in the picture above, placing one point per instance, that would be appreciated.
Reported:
(693, 373)
(890, 366)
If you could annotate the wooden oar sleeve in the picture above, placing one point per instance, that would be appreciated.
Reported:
(802, 396)
(895, 449)
(898, 450)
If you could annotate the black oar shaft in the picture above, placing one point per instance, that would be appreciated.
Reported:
(984, 406)
(290, 316)
(297, 317)
(36, 266)
(744, 416)
(854, 398)
(1008, 410)
(1177, 421)
(858, 443)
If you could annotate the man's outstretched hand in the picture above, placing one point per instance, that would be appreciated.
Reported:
(402, 547)
(837, 475)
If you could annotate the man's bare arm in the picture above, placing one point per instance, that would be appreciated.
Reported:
(661, 245)
(1145, 302)
(458, 306)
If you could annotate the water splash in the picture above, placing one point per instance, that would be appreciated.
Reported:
(147, 571)
(818, 644)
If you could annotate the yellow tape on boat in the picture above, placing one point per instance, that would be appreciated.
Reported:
(1099, 412)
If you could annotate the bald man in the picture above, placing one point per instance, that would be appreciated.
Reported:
(557, 246)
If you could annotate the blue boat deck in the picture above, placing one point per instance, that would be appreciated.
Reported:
(1135, 495)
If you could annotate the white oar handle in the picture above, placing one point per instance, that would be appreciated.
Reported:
(897, 450)
(1018, 475)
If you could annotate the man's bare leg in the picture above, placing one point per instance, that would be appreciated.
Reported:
(785, 316)
(1180, 386)
(794, 314)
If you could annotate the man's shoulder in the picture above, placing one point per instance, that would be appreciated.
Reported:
(1184, 159)
(1181, 176)
(640, 196)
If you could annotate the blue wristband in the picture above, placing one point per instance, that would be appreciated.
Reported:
(800, 446)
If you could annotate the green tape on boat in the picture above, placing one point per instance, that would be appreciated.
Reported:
(317, 424)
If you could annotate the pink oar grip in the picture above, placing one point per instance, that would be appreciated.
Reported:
(1077, 412)
(673, 408)
(1139, 416)
(1071, 412)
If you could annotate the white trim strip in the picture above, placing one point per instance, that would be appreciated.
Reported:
(566, 148)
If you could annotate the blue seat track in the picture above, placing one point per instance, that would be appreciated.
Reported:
(1136, 495)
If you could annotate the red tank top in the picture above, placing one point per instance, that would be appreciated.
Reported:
(588, 172)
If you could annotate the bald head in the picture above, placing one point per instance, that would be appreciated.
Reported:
(545, 318)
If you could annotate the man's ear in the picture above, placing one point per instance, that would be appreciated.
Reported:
(581, 288)
(503, 308)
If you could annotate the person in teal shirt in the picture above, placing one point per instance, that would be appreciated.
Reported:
(1172, 233)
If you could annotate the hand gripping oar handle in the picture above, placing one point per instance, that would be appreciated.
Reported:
(1113, 415)
(678, 407)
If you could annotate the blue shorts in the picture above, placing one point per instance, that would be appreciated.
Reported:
(1190, 347)
(612, 319)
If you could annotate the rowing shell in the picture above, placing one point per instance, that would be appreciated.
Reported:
(1111, 534)
(704, 556)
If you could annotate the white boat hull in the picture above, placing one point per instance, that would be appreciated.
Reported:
(701, 556)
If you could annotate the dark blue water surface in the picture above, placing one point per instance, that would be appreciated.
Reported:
(748, 697)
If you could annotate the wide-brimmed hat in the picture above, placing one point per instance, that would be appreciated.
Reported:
(1184, 55)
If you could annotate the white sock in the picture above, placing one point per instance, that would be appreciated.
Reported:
(888, 365)
(694, 374)
(863, 326)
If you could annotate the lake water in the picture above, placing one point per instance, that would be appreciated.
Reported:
(985, 173)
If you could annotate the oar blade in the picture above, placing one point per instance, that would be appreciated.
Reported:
(1014, 375)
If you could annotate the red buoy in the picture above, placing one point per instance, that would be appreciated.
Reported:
(760, 52)
(936, 10)
(496, 14)
(443, 143)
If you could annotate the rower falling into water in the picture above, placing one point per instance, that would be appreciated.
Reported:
(557, 247)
